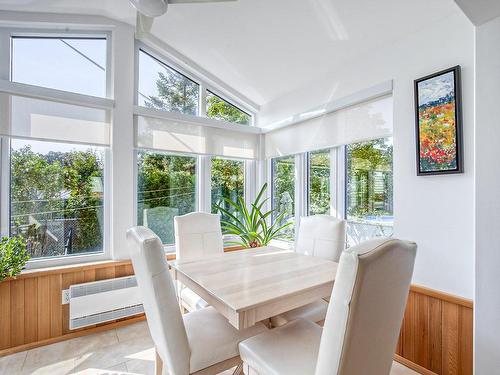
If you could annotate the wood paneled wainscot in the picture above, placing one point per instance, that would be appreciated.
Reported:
(436, 335)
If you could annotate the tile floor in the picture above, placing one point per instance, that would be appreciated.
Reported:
(125, 350)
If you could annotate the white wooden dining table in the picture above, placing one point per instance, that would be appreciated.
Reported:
(251, 285)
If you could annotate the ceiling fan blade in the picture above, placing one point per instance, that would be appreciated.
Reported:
(196, 1)
(143, 24)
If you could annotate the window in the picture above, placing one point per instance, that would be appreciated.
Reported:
(57, 197)
(283, 193)
(69, 64)
(220, 109)
(228, 181)
(369, 210)
(319, 182)
(166, 187)
(164, 88)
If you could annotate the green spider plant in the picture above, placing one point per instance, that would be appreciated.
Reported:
(250, 224)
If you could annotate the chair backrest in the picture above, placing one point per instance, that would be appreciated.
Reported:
(198, 234)
(159, 299)
(366, 308)
(321, 236)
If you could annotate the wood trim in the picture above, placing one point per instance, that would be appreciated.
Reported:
(442, 296)
(413, 366)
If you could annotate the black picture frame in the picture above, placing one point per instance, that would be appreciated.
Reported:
(456, 70)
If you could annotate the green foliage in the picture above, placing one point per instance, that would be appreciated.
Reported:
(222, 110)
(250, 225)
(57, 187)
(284, 194)
(175, 93)
(319, 183)
(369, 178)
(167, 181)
(227, 181)
(13, 256)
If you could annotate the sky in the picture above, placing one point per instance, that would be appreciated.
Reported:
(53, 64)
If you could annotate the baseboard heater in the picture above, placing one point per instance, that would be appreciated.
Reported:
(102, 301)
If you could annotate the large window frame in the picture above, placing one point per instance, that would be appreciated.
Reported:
(338, 186)
(204, 85)
(55, 95)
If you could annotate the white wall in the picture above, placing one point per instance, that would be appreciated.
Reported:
(487, 298)
(436, 212)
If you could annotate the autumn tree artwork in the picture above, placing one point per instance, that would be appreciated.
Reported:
(438, 123)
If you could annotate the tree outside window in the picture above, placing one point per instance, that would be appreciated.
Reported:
(166, 187)
(283, 193)
(220, 109)
(369, 201)
(227, 181)
(57, 197)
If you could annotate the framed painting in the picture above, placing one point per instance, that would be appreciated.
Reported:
(438, 123)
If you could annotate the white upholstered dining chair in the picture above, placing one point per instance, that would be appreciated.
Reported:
(197, 235)
(200, 342)
(320, 236)
(362, 324)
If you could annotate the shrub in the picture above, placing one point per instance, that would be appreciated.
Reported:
(13, 256)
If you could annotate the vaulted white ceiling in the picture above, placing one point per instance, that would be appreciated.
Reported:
(267, 48)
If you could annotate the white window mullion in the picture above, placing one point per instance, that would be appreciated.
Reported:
(4, 57)
(300, 189)
(202, 105)
(204, 182)
(4, 185)
(250, 182)
(340, 186)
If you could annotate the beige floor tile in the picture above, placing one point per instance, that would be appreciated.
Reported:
(141, 366)
(120, 369)
(12, 364)
(46, 356)
(61, 367)
(133, 331)
(115, 354)
(399, 369)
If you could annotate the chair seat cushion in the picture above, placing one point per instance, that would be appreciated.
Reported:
(291, 349)
(314, 312)
(212, 339)
(192, 301)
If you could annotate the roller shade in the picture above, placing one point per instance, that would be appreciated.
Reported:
(365, 121)
(186, 137)
(48, 120)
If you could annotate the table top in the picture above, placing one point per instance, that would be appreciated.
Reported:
(248, 278)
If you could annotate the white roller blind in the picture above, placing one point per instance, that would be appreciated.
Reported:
(48, 120)
(368, 120)
(186, 137)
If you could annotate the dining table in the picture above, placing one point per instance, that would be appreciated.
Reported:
(251, 285)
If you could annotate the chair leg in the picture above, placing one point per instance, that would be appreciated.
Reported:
(158, 364)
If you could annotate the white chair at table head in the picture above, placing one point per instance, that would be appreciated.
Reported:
(321, 236)
(197, 235)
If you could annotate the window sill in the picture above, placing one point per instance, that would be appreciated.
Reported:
(84, 266)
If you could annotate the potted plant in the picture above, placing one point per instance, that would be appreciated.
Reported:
(250, 224)
(13, 256)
